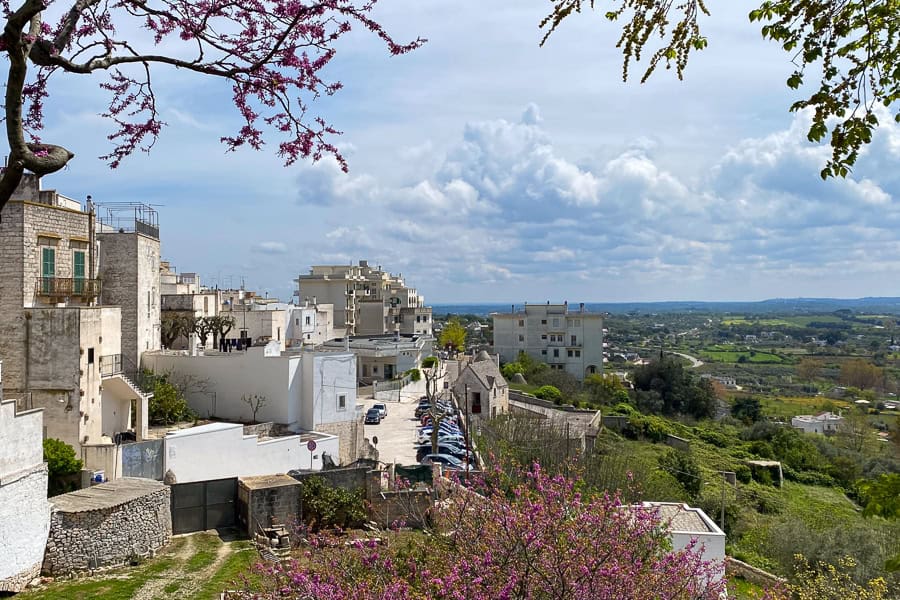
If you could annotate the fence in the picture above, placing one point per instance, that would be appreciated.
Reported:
(393, 385)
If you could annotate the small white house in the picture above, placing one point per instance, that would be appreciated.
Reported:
(824, 423)
(686, 524)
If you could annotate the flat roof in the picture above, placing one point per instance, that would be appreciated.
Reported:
(261, 482)
(209, 427)
(105, 495)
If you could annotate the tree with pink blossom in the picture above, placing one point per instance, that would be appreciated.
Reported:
(272, 52)
(537, 538)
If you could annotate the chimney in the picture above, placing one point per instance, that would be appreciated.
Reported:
(314, 301)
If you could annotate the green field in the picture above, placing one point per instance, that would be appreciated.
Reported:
(733, 356)
(784, 321)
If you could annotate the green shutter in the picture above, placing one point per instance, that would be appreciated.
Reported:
(78, 272)
(48, 268)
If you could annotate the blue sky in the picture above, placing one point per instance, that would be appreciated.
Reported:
(484, 168)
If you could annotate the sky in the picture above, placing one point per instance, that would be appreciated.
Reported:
(487, 169)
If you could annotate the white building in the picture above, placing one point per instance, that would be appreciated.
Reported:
(566, 340)
(24, 510)
(306, 390)
(824, 423)
(187, 452)
(366, 300)
(686, 524)
(383, 357)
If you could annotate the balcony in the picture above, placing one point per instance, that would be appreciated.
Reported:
(67, 287)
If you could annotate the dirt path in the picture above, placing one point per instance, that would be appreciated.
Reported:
(154, 588)
(190, 581)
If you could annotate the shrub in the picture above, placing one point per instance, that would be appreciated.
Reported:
(325, 506)
(414, 374)
(549, 392)
(62, 465)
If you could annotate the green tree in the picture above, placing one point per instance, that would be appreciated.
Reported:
(172, 326)
(62, 465)
(453, 336)
(851, 48)
(203, 327)
(220, 325)
(881, 497)
(168, 405)
(683, 466)
(605, 389)
(747, 409)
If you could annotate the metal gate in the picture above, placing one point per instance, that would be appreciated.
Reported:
(203, 505)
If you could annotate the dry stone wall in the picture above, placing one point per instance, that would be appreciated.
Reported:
(106, 537)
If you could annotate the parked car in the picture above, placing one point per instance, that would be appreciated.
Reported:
(445, 448)
(421, 409)
(382, 408)
(423, 436)
(449, 462)
(373, 416)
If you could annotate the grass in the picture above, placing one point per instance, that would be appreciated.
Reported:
(179, 564)
(732, 356)
(786, 407)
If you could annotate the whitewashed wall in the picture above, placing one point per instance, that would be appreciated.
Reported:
(221, 450)
(24, 510)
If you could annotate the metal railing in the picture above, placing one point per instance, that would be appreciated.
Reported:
(67, 287)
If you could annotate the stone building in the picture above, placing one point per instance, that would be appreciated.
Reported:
(61, 332)
(567, 340)
(481, 389)
(24, 510)
(367, 300)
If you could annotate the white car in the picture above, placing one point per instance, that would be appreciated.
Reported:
(382, 408)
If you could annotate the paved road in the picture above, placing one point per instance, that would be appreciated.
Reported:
(695, 362)
(396, 432)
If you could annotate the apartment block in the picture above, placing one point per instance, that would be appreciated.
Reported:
(565, 339)
(366, 300)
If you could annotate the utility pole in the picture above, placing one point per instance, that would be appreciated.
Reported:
(466, 417)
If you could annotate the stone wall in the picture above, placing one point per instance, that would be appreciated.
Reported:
(130, 519)
(352, 478)
(409, 508)
(756, 576)
(351, 438)
(268, 500)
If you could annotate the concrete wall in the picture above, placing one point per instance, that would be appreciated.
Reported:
(24, 510)
(106, 537)
(188, 452)
(229, 377)
(327, 376)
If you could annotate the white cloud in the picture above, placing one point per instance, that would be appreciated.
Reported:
(270, 248)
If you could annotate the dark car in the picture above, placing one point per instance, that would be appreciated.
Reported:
(445, 448)
(373, 416)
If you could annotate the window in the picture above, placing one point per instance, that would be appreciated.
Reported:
(476, 403)
(90, 356)
(544, 336)
(308, 320)
(374, 369)
(48, 268)
(556, 353)
(521, 322)
(342, 402)
(78, 271)
(307, 336)
(543, 321)
(574, 340)
(578, 353)
(556, 322)
(571, 354)
(577, 322)
(278, 335)
(521, 338)
(297, 322)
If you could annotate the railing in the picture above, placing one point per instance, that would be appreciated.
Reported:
(67, 287)
(111, 364)
(393, 384)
